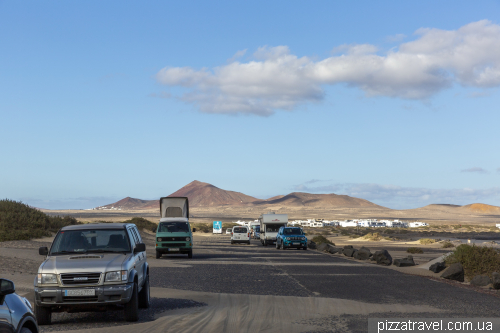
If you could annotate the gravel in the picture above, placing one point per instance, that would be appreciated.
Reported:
(91, 320)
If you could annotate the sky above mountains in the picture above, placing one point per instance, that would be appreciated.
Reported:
(389, 102)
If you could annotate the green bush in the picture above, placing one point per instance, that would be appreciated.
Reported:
(476, 260)
(414, 250)
(19, 221)
(427, 241)
(321, 239)
(447, 245)
(143, 224)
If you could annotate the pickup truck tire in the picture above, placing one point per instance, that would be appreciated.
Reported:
(190, 254)
(277, 245)
(43, 315)
(132, 307)
(158, 255)
(25, 330)
(304, 248)
(282, 246)
(144, 296)
(248, 243)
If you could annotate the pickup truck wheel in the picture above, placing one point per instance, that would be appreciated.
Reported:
(277, 246)
(43, 315)
(144, 296)
(190, 254)
(305, 248)
(282, 246)
(158, 255)
(132, 307)
(25, 330)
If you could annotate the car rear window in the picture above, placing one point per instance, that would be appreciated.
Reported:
(240, 230)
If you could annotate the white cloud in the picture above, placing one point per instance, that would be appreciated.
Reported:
(279, 80)
(405, 197)
(475, 170)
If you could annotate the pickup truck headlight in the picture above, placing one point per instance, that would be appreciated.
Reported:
(47, 278)
(188, 239)
(116, 276)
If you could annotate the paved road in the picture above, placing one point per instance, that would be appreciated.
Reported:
(251, 288)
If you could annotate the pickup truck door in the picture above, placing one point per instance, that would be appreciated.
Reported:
(134, 240)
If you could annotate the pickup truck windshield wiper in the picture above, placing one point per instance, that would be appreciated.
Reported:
(106, 251)
(67, 252)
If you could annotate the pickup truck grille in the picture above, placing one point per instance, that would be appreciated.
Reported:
(80, 278)
(295, 238)
(171, 239)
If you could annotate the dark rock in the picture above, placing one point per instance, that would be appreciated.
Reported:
(480, 280)
(334, 250)
(331, 249)
(496, 280)
(437, 267)
(311, 244)
(355, 254)
(363, 254)
(383, 257)
(405, 262)
(454, 272)
(348, 252)
(322, 247)
(348, 247)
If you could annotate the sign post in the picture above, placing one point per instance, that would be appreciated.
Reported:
(217, 227)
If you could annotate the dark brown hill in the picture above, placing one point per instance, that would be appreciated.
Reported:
(318, 200)
(206, 195)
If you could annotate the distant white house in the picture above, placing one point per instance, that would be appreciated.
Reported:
(418, 224)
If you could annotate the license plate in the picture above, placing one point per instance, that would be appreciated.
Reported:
(174, 249)
(296, 243)
(79, 292)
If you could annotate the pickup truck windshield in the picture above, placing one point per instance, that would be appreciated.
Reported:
(292, 231)
(173, 227)
(83, 241)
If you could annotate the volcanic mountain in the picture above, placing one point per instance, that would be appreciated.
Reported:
(481, 208)
(207, 195)
(297, 199)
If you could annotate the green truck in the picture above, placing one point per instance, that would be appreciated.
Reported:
(174, 234)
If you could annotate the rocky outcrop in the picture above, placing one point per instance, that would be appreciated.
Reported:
(332, 249)
(437, 267)
(311, 244)
(382, 257)
(348, 250)
(322, 246)
(404, 262)
(454, 272)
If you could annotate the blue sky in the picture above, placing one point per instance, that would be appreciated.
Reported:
(394, 103)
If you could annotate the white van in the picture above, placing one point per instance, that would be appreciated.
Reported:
(240, 234)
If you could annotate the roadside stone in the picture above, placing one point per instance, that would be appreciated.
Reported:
(383, 257)
(334, 250)
(330, 247)
(348, 247)
(437, 267)
(322, 247)
(496, 280)
(404, 262)
(363, 254)
(454, 272)
(480, 280)
(348, 252)
(311, 244)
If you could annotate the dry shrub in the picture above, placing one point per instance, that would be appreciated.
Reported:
(476, 260)
(447, 245)
(373, 236)
(414, 250)
(427, 241)
(321, 239)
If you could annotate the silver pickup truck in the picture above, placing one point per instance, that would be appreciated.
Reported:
(92, 267)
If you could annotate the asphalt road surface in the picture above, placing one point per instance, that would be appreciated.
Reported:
(252, 288)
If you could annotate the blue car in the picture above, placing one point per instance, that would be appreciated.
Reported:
(16, 313)
(291, 237)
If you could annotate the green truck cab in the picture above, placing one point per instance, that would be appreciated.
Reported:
(174, 234)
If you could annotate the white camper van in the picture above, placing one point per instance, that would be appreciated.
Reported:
(269, 225)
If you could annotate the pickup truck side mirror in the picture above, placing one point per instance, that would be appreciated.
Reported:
(6, 287)
(43, 251)
(194, 229)
(140, 247)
